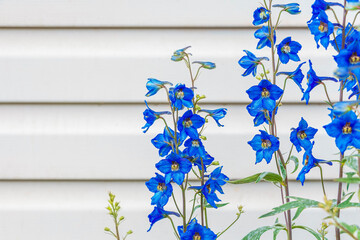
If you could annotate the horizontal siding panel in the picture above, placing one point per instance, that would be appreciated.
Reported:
(76, 210)
(141, 13)
(113, 65)
(106, 142)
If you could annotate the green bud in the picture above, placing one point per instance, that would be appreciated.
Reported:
(240, 208)
(203, 138)
(206, 120)
(261, 75)
(116, 204)
(197, 108)
(108, 208)
(107, 229)
(129, 232)
(215, 163)
(258, 77)
(267, 71)
(121, 218)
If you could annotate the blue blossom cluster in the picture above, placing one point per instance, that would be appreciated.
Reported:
(182, 151)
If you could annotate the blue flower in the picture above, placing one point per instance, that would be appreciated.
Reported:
(209, 192)
(196, 160)
(157, 214)
(174, 167)
(265, 95)
(165, 141)
(188, 124)
(206, 65)
(265, 145)
(216, 114)
(261, 114)
(261, 15)
(296, 75)
(321, 6)
(288, 49)
(161, 190)
(218, 179)
(302, 135)
(309, 161)
(181, 96)
(263, 34)
(313, 81)
(250, 62)
(292, 8)
(349, 56)
(346, 131)
(195, 147)
(150, 116)
(154, 85)
(321, 28)
(195, 231)
(179, 54)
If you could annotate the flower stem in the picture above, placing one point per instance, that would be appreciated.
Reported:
(172, 223)
(322, 180)
(202, 195)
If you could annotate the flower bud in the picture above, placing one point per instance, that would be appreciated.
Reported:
(107, 229)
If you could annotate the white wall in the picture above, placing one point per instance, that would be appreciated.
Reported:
(72, 85)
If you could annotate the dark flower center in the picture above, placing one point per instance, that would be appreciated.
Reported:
(306, 160)
(161, 187)
(323, 27)
(265, 143)
(354, 59)
(208, 188)
(263, 14)
(174, 166)
(195, 143)
(179, 94)
(347, 129)
(302, 135)
(188, 122)
(196, 236)
(286, 48)
(265, 93)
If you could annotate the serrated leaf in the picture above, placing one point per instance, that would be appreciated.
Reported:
(296, 162)
(348, 180)
(267, 176)
(256, 234)
(311, 231)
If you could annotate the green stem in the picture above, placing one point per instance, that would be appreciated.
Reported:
(322, 179)
(264, 71)
(326, 92)
(236, 219)
(176, 205)
(337, 20)
(278, 103)
(277, 21)
(172, 224)
(184, 206)
(288, 159)
(352, 25)
(193, 208)
(202, 195)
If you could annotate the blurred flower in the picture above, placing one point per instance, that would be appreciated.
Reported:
(179, 54)
(292, 8)
(206, 65)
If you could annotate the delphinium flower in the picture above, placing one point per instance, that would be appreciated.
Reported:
(195, 147)
(263, 34)
(302, 135)
(179, 54)
(351, 35)
(154, 85)
(218, 179)
(250, 63)
(174, 167)
(265, 145)
(261, 114)
(208, 192)
(288, 50)
(206, 65)
(292, 8)
(309, 162)
(216, 114)
(346, 131)
(265, 94)
(261, 15)
(150, 116)
(157, 214)
(349, 56)
(195, 231)
(313, 81)
(181, 96)
(161, 190)
(320, 6)
(200, 161)
(340, 108)
(165, 141)
(188, 124)
(321, 28)
(296, 75)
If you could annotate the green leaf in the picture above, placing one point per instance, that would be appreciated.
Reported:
(298, 212)
(267, 176)
(299, 203)
(314, 233)
(352, 162)
(256, 234)
(296, 162)
(353, 229)
(348, 180)
(283, 170)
